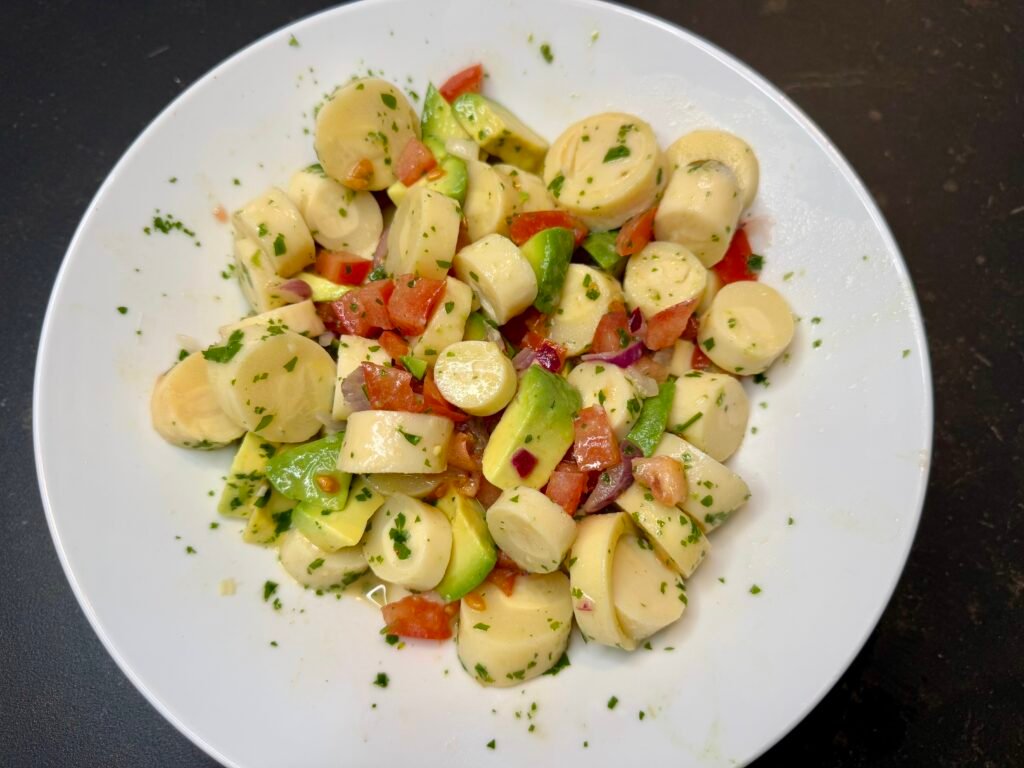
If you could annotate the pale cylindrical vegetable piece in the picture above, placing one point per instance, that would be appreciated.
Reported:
(682, 358)
(715, 491)
(608, 386)
(587, 295)
(661, 276)
(517, 637)
(475, 376)
(274, 223)
(447, 324)
(299, 318)
(673, 532)
(185, 410)
(605, 169)
(724, 148)
(423, 235)
(352, 351)
(648, 595)
(499, 275)
(710, 411)
(490, 201)
(339, 218)
(395, 441)
(590, 578)
(317, 568)
(747, 327)
(367, 119)
(531, 529)
(700, 210)
(273, 382)
(408, 543)
(711, 289)
(531, 194)
(256, 276)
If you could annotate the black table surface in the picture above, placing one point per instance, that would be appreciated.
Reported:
(923, 98)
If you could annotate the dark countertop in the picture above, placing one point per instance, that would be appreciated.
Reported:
(923, 97)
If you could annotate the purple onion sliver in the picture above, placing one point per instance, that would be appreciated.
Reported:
(353, 387)
(297, 289)
(622, 357)
(382, 248)
(611, 484)
(548, 357)
(523, 359)
(524, 462)
(637, 324)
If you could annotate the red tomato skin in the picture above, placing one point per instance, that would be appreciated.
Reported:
(467, 80)
(342, 267)
(416, 159)
(636, 233)
(698, 360)
(668, 325)
(595, 447)
(525, 225)
(419, 617)
(734, 267)
(566, 487)
(362, 312)
(612, 332)
(394, 344)
(413, 301)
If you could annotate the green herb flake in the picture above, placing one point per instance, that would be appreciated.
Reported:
(492, 744)
(290, 365)
(481, 626)
(269, 588)
(264, 422)
(616, 153)
(279, 246)
(391, 639)
(562, 663)
(389, 100)
(755, 590)
(555, 187)
(381, 680)
(906, 353)
(226, 351)
(123, 310)
(755, 262)
(292, 41)
(483, 674)
(613, 702)
(545, 51)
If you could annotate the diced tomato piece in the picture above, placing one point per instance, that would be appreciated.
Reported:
(526, 225)
(636, 233)
(415, 160)
(551, 356)
(595, 446)
(467, 80)
(359, 175)
(664, 476)
(698, 360)
(418, 616)
(413, 301)
(362, 311)
(566, 487)
(390, 389)
(342, 268)
(668, 325)
(434, 402)
(735, 265)
(504, 579)
(461, 454)
(488, 493)
(394, 344)
(612, 332)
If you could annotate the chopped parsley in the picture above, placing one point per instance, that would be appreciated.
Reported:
(483, 674)
(492, 743)
(616, 153)
(755, 262)
(123, 310)
(545, 51)
(381, 680)
(562, 663)
(292, 41)
(279, 246)
(224, 352)
(400, 537)
(269, 588)
(389, 100)
(290, 365)
(555, 187)
(755, 590)
(613, 702)
(264, 422)
(410, 438)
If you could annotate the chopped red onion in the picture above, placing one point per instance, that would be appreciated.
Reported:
(294, 291)
(645, 385)
(586, 605)
(524, 462)
(637, 323)
(353, 387)
(382, 248)
(622, 358)
(524, 359)
(549, 358)
(612, 482)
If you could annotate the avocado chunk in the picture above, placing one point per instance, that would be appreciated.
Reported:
(309, 472)
(332, 531)
(438, 120)
(473, 551)
(601, 247)
(322, 288)
(476, 327)
(534, 432)
(499, 132)
(452, 183)
(270, 520)
(247, 487)
(549, 252)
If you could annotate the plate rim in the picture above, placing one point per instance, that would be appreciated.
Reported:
(732, 62)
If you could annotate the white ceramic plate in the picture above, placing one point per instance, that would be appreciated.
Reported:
(842, 445)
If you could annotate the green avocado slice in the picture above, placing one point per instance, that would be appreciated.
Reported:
(473, 551)
(549, 252)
